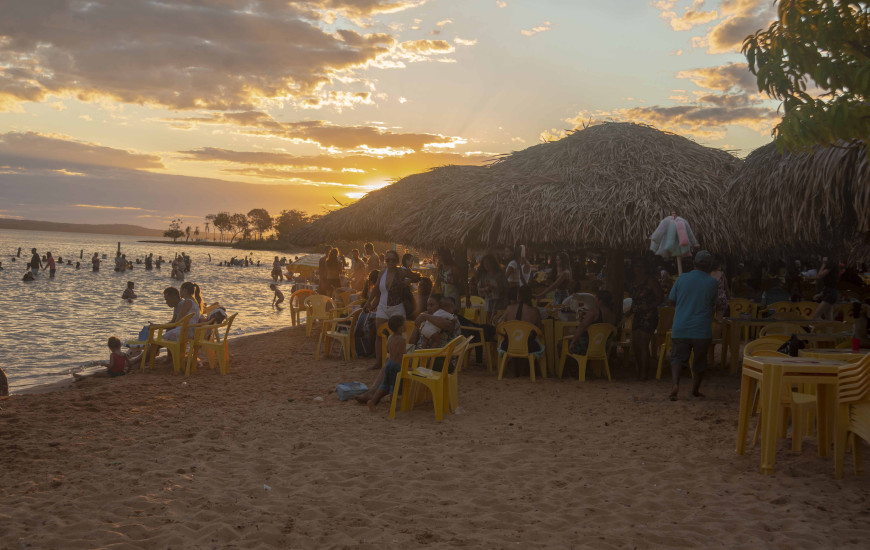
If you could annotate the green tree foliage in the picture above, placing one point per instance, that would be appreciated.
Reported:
(222, 223)
(287, 221)
(174, 231)
(260, 220)
(239, 225)
(826, 42)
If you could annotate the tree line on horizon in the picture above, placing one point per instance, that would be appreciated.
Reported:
(255, 225)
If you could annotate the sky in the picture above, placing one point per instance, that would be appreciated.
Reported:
(141, 111)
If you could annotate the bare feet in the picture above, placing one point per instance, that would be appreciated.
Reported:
(372, 405)
(674, 391)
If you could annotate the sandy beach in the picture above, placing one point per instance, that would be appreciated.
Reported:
(253, 460)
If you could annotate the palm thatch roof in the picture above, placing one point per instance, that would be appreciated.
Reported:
(375, 217)
(606, 186)
(807, 202)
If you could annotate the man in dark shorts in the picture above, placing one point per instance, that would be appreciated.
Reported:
(35, 262)
(694, 294)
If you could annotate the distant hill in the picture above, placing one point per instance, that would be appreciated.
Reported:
(103, 229)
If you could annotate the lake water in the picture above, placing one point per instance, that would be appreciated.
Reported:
(52, 327)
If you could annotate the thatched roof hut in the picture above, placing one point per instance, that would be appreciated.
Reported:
(606, 187)
(377, 215)
(801, 203)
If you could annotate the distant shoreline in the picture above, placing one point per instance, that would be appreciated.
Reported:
(190, 243)
(93, 229)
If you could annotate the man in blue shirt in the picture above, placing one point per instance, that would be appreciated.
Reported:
(694, 294)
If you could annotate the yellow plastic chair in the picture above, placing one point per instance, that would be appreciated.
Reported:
(664, 351)
(459, 356)
(780, 307)
(666, 321)
(478, 301)
(844, 345)
(488, 347)
(384, 332)
(597, 351)
(780, 328)
(418, 367)
(317, 308)
(155, 338)
(853, 414)
(473, 314)
(208, 337)
(843, 312)
(339, 330)
(517, 334)
(806, 309)
(767, 344)
(296, 304)
(741, 306)
(801, 407)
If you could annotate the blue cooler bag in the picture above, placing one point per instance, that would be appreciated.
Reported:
(346, 390)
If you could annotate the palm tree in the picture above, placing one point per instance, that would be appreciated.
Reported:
(206, 230)
(196, 233)
(187, 232)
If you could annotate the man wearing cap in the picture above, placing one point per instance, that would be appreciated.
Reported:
(694, 294)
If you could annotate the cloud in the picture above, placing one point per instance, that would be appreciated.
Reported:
(325, 134)
(105, 207)
(700, 120)
(501, 3)
(723, 78)
(692, 16)
(32, 150)
(462, 42)
(354, 169)
(183, 54)
(547, 26)
(426, 47)
(748, 17)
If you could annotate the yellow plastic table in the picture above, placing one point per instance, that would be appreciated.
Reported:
(846, 355)
(736, 324)
(554, 330)
(773, 372)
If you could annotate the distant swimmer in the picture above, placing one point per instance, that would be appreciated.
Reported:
(119, 362)
(129, 294)
(159, 262)
(149, 261)
(278, 298)
(78, 265)
(28, 276)
(1, 266)
(95, 262)
(19, 251)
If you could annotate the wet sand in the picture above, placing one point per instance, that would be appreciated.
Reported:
(253, 460)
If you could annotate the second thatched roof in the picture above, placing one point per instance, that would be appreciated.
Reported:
(804, 202)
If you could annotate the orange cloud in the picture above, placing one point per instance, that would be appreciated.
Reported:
(323, 133)
(183, 54)
(32, 150)
(547, 26)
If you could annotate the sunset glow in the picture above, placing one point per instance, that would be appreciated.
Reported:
(110, 112)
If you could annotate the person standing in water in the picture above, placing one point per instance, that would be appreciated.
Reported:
(95, 261)
(50, 265)
(35, 262)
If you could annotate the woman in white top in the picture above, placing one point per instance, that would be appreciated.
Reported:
(387, 296)
(518, 270)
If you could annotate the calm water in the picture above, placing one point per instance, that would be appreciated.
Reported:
(51, 327)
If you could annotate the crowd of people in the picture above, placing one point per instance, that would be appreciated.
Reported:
(47, 262)
(513, 285)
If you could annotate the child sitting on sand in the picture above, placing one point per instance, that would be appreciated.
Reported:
(119, 362)
(278, 297)
(396, 346)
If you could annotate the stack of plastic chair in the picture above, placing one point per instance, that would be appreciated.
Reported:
(742, 307)
(853, 414)
(597, 351)
(341, 330)
(666, 321)
(296, 304)
(780, 307)
(487, 347)
(214, 339)
(419, 368)
(517, 334)
(317, 308)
